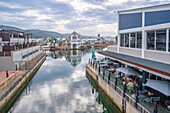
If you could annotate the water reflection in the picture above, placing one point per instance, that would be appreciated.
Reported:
(60, 86)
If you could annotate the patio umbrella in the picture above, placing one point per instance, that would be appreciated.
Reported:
(159, 85)
(127, 71)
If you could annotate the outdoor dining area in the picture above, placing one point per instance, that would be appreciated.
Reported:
(150, 93)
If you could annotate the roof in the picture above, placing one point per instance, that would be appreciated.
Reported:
(162, 5)
(144, 63)
(74, 33)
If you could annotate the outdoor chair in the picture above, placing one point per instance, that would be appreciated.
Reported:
(156, 99)
(148, 100)
(167, 102)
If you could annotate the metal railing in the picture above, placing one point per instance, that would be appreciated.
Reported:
(130, 100)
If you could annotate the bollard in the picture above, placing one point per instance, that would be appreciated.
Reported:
(124, 90)
(155, 109)
(89, 60)
(7, 74)
(137, 94)
(115, 83)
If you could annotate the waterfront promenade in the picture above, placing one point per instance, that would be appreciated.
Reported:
(9, 91)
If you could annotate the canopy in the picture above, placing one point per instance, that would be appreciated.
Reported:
(127, 71)
(107, 62)
(99, 56)
(159, 85)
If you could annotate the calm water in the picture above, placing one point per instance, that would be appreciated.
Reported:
(62, 86)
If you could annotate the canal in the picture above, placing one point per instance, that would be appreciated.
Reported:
(61, 85)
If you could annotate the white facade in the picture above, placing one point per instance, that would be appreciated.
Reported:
(18, 58)
(147, 50)
(75, 40)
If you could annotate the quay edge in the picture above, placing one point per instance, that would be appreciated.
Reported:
(20, 86)
(110, 92)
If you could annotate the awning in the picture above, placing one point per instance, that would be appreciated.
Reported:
(107, 62)
(127, 71)
(161, 86)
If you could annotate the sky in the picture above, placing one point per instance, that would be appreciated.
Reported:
(87, 17)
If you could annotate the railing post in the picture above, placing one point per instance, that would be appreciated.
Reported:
(115, 83)
(109, 78)
(103, 73)
(99, 70)
(124, 90)
(155, 109)
(136, 99)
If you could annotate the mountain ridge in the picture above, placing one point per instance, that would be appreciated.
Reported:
(37, 33)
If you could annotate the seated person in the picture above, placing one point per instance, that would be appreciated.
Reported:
(130, 85)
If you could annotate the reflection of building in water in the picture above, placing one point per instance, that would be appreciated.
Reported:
(55, 54)
(74, 57)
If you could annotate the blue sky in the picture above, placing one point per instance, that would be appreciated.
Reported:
(87, 17)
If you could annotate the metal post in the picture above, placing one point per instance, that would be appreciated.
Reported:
(109, 78)
(124, 90)
(143, 80)
(136, 99)
(155, 109)
(99, 70)
(115, 83)
(103, 73)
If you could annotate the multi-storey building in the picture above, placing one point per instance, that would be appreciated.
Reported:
(144, 44)
(15, 49)
(74, 41)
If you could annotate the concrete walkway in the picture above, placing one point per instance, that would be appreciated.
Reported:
(10, 86)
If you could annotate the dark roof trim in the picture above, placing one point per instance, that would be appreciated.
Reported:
(144, 8)
(149, 68)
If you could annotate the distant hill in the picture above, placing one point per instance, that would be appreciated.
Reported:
(42, 33)
(36, 32)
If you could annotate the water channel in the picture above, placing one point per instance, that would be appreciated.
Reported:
(61, 85)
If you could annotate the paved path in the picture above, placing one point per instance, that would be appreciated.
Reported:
(4, 92)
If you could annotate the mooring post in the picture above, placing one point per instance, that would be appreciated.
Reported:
(7, 74)
(136, 99)
(16, 67)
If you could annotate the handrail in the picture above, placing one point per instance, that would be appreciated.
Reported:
(120, 92)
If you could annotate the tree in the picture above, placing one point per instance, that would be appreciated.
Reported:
(98, 35)
(116, 38)
(98, 39)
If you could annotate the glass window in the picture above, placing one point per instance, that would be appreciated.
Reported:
(139, 40)
(150, 40)
(169, 40)
(161, 40)
(132, 40)
(127, 40)
(122, 40)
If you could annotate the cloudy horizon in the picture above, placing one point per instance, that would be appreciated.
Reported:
(87, 17)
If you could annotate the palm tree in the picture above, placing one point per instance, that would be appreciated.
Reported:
(98, 35)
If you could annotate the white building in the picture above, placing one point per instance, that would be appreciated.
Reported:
(144, 43)
(74, 41)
